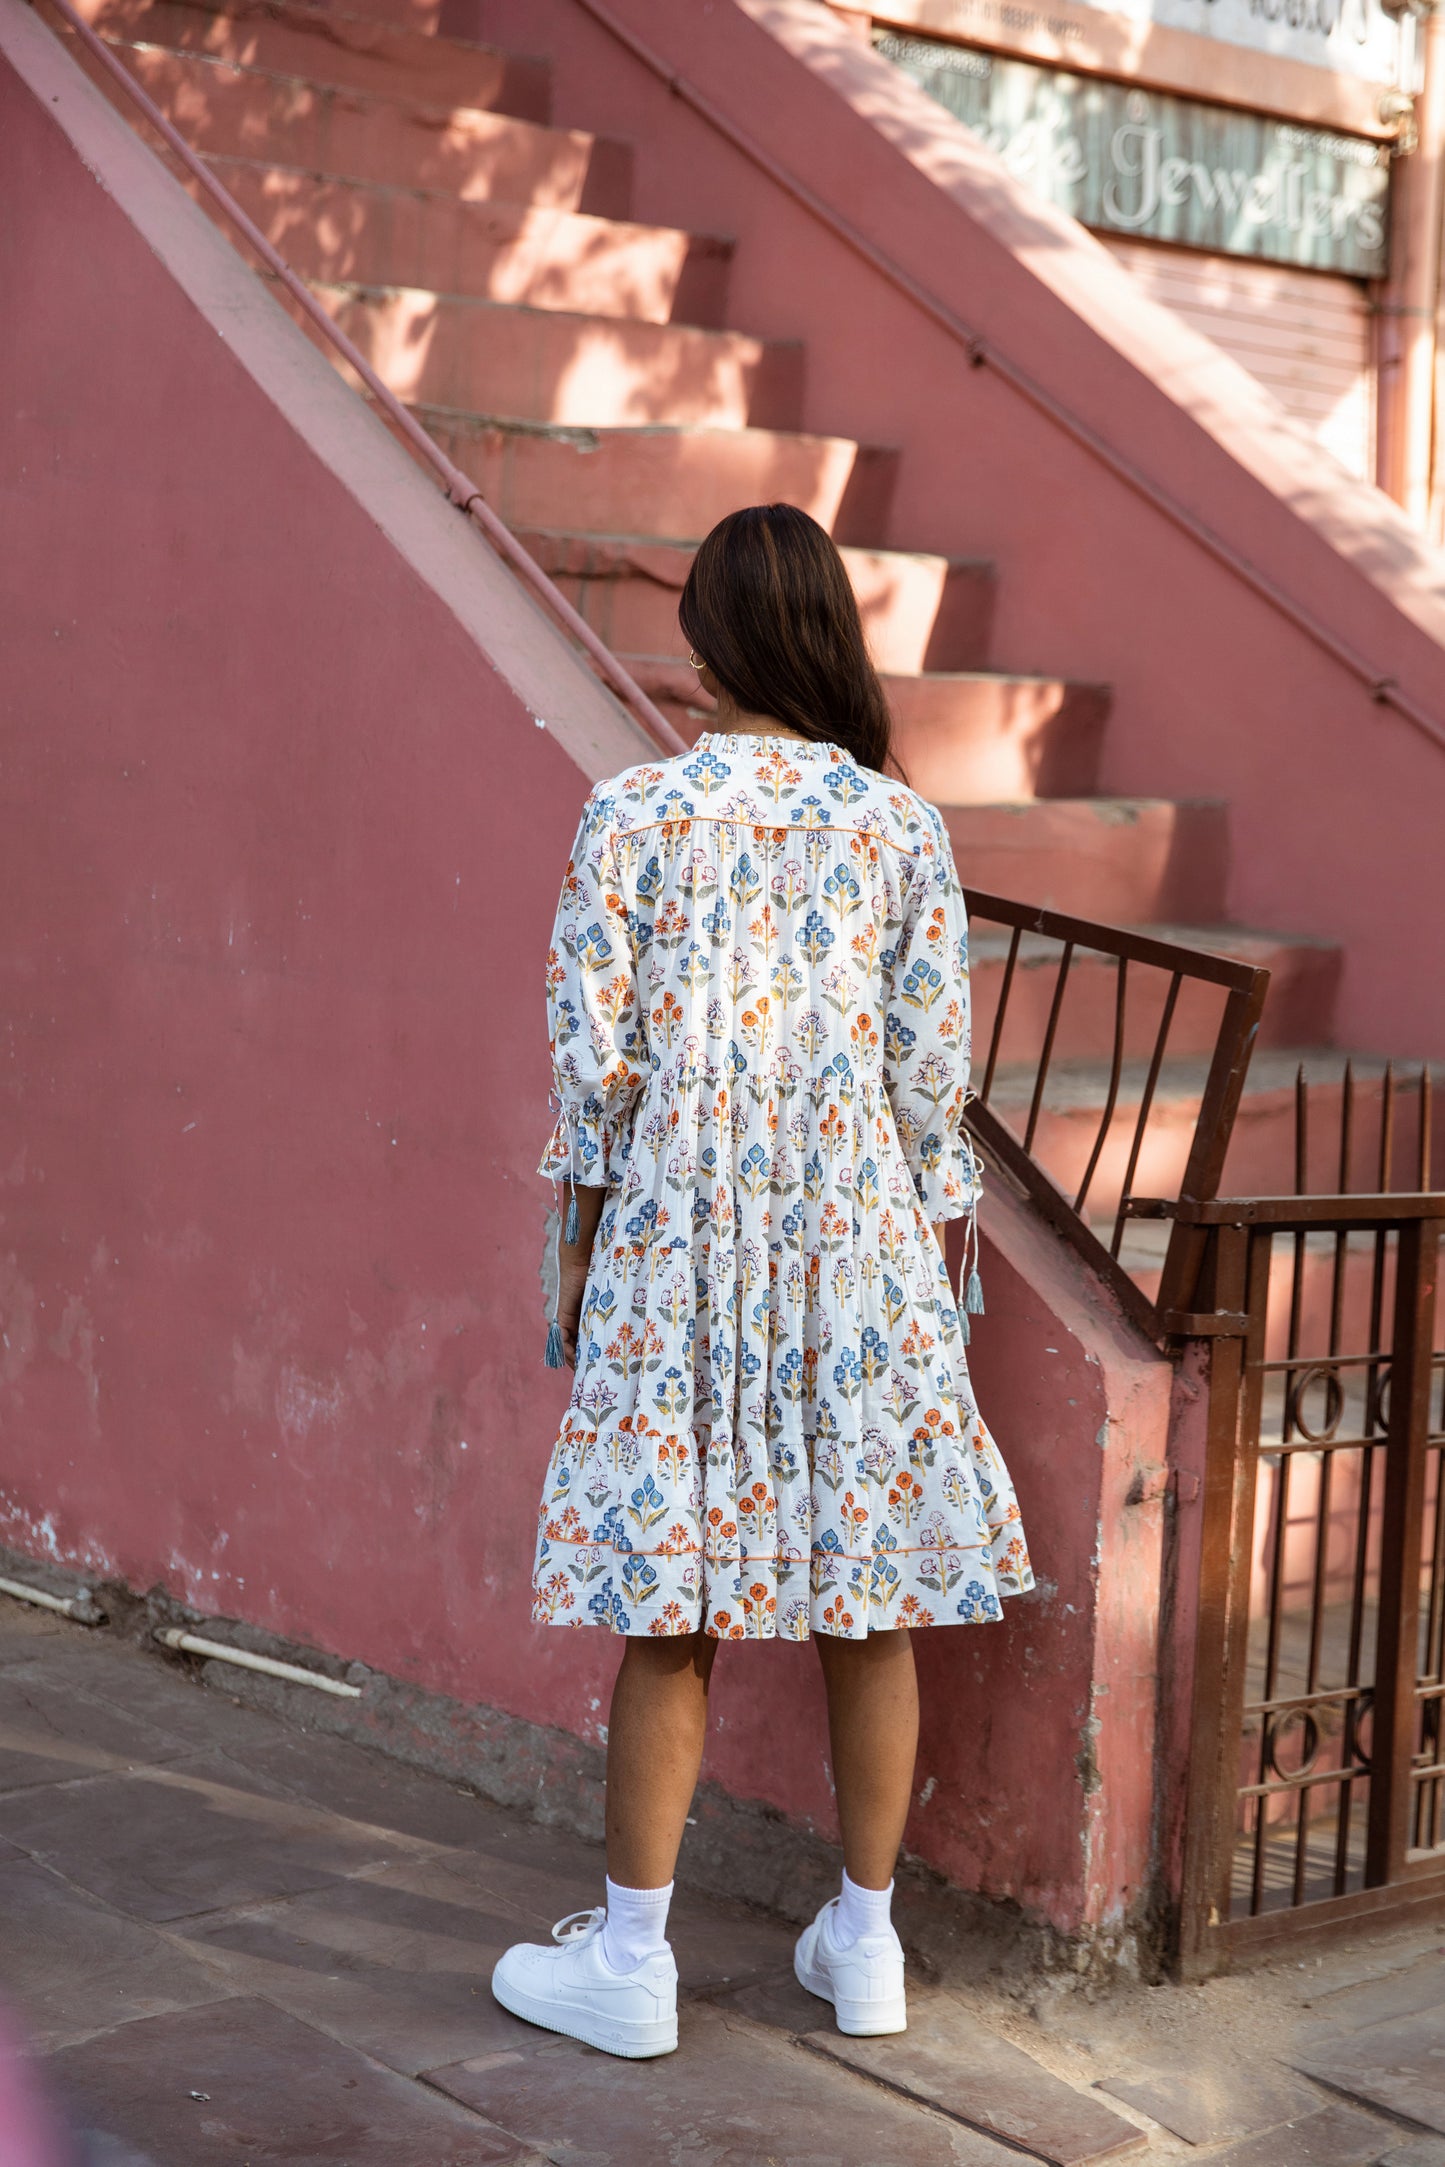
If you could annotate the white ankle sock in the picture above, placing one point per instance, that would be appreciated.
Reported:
(636, 1925)
(859, 1912)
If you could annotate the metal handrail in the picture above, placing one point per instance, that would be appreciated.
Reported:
(460, 488)
(1243, 986)
(983, 353)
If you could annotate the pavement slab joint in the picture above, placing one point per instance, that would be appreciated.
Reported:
(206, 1890)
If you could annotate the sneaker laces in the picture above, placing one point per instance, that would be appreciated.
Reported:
(580, 1925)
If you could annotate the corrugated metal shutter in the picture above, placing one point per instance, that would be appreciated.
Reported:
(1304, 334)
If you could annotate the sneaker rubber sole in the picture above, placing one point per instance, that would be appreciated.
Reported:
(859, 2019)
(633, 2040)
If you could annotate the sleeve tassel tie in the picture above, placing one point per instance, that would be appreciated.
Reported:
(973, 1285)
(567, 1231)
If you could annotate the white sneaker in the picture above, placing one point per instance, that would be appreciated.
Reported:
(573, 1989)
(864, 1983)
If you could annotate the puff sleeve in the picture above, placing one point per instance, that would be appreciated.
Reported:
(927, 1031)
(594, 1012)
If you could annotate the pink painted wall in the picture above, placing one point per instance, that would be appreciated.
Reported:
(279, 843)
(1336, 802)
(280, 837)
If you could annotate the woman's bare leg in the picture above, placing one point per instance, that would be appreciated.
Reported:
(655, 1738)
(873, 1730)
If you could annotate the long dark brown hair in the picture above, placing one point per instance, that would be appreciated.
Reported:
(770, 609)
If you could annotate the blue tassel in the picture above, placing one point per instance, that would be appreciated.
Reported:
(574, 1223)
(556, 1356)
(973, 1294)
(964, 1331)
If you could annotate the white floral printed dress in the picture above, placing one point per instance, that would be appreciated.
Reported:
(758, 991)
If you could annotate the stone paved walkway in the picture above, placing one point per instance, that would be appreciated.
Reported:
(232, 1941)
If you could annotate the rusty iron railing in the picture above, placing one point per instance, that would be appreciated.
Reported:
(461, 490)
(1161, 991)
(1317, 1779)
(1396, 1098)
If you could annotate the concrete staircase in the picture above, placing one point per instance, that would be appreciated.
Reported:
(583, 368)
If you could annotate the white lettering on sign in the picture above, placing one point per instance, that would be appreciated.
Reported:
(1136, 162)
(1143, 179)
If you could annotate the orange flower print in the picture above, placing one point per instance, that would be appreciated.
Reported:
(905, 1498)
(758, 1606)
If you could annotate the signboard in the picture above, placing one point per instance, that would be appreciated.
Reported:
(1353, 37)
(1361, 40)
(1163, 168)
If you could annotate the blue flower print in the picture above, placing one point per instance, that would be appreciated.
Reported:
(898, 1040)
(649, 880)
(841, 891)
(923, 984)
(755, 1171)
(790, 1377)
(848, 1374)
(744, 886)
(610, 1528)
(639, 1580)
(874, 1357)
(593, 947)
(706, 772)
(606, 1608)
(647, 1506)
(816, 938)
(846, 784)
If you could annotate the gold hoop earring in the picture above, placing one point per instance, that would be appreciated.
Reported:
(697, 662)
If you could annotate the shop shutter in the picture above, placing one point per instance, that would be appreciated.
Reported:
(1304, 334)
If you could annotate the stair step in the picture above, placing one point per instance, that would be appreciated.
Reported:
(368, 234)
(1298, 1011)
(225, 110)
(320, 45)
(912, 606)
(976, 737)
(1121, 861)
(551, 366)
(663, 480)
(1261, 1152)
(959, 736)
(422, 16)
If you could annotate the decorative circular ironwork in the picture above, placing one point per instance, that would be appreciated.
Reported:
(1358, 1713)
(1334, 1407)
(1275, 1732)
(1381, 1419)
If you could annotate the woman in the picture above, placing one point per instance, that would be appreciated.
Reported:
(759, 1003)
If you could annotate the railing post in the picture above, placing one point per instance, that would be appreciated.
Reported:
(1241, 1278)
(1397, 1644)
(1239, 1027)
